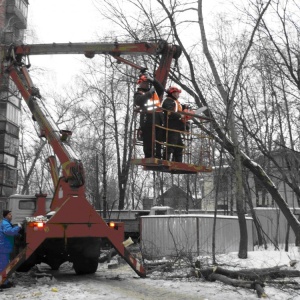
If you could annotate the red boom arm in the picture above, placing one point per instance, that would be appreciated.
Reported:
(71, 166)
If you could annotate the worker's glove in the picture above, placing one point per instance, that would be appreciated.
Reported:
(152, 90)
(20, 225)
(185, 106)
(150, 78)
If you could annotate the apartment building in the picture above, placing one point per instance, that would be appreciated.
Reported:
(13, 22)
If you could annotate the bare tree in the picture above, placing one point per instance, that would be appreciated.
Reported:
(193, 81)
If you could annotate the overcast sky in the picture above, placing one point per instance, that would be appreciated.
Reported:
(63, 21)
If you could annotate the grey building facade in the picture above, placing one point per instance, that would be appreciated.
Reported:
(13, 22)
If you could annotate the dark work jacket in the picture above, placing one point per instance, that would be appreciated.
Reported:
(172, 120)
(141, 96)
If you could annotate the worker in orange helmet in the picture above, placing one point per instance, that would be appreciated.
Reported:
(147, 99)
(173, 120)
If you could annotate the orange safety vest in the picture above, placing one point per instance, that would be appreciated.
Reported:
(153, 103)
(178, 106)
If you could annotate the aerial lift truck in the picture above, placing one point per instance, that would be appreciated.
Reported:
(73, 231)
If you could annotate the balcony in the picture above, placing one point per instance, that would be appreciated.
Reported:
(16, 11)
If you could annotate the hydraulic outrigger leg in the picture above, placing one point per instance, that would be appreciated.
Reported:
(13, 266)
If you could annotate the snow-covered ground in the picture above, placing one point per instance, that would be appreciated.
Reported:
(122, 283)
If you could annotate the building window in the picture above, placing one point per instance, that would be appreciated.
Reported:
(9, 112)
(9, 160)
(8, 176)
(27, 204)
(9, 144)
(6, 191)
(10, 128)
(23, 7)
(31, 204)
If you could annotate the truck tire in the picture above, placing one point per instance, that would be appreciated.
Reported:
(25, 267)
(54, 265)
(85, 265)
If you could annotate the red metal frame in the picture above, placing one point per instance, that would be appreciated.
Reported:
(155, 164)
(90, 49)
(68, 159)
(161, 165)
(74, 216)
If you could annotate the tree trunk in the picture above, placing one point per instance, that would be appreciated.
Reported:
(268, 184)
(239, 197)
(97, 203)
(229, 102)
(27, 176)
(260, 237)
(252, 274)
(104, 167)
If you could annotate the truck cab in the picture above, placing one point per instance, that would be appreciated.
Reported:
(22, 206)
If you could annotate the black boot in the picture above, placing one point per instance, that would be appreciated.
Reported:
(7, 285)
(177, 158)
(165, 155)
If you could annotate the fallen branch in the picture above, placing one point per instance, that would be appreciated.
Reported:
(281, 282)
(234, 282)
(248, 284)
(259, 290)
(160, 267)
(252, 274)
(251, 278)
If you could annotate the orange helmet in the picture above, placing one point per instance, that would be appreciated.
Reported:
(173, 89)
(143, 78)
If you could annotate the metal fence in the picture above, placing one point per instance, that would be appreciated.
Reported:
(176, 235)
(274, 225)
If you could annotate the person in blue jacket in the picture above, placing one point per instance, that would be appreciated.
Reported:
(7, 233)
